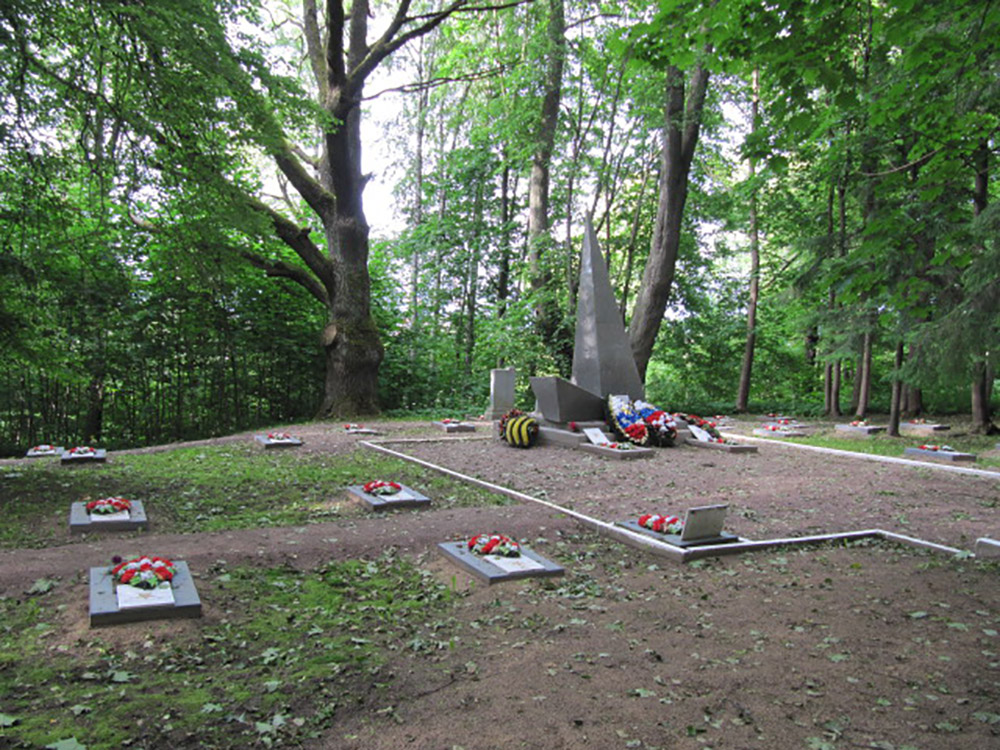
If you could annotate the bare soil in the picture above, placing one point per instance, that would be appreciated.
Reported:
(871, 645)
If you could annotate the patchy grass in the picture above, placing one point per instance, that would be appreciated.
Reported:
(274, 672)
(211, 488)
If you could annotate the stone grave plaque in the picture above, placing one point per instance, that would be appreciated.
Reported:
(455, 426)
(40, 451)
(865, 429)
(105, 610)
(781, 432)
(359, 430)
(724, 447)
(699, 434)
(675, 539)
(487, 569)
(80, 521)
(269, 443)
(99, 456)
(954, 456)
(629, 454)
(596, 436)
(922, 428)
(407, 497)
(130, 597)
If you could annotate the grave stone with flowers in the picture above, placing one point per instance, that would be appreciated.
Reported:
(600, 444)
(107, 514)
(359, 429)
(278, 440)
(43, 450)
(143, 588)
(777, 430)
(940, 453)
(454, 425)
(705, 434)
(384, 495)
(860, 427)
(493, 558)
(705, 522)
(83, 454)
(922, 427)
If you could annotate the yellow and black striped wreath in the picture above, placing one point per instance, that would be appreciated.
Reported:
(521, 432)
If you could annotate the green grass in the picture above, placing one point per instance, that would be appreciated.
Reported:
(210, 488)
(289, 650)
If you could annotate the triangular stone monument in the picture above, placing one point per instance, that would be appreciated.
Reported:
(602, 357)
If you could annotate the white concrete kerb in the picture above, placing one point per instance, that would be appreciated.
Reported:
(641, 541)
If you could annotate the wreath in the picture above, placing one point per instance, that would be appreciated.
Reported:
(379, 487)
(940, 448)
(494, 544)
(661, 524)
(625, 420)
(705, 424)
(108, 505)
(502, 425)
(81, 450)
(146, 572)
(44, 448)
(660, 425)
(521, 432)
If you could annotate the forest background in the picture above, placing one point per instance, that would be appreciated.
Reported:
(794, 200)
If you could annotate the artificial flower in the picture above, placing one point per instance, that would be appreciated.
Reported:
(379, 487)
(280, 437)
(81, 450)
(146, 572)
(108, 505)
(494, 544)
(661, 524)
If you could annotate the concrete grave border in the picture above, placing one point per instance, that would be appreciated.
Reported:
(104, 601)
(80, 523)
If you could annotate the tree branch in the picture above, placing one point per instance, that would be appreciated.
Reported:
(319, 198)
(474, 9)
(335, 72)
(409, 88)
(314, 46)
(297, 238)
(915, 163)
(279, 268)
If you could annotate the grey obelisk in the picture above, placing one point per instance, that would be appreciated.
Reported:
(602, 358)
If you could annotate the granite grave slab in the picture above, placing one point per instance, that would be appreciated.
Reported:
(268, 443)
(99, 456)
(675, 539)
(82, 522)
(865, 429)
(987, 547)
(51, 450)
(491, 569)
(782, 432)
(104, 608)
(502, 391)
(919, 428)
(629, 454)
(405, 498)
(953, 456)
(724, 447)
(452, 427)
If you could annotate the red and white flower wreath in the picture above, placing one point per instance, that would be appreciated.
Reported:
(379, 487)
(146, 572)
(81, 450)
(494, 544)
(280, 437)
(108, 505)
(661, 524)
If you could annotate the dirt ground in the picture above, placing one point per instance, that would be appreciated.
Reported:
(870, 645)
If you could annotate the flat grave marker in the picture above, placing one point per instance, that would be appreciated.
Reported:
(273, 441)
(453, 425)
(724, 447)
(359, 429)
(105, 608)
(82, 522)
(922, 428)
(40, 451)
(72, 456)
(407, 497)
(860, 429)
(631, 453)
(770, 431)
(987, 547)
(495, 569)
(942, 455)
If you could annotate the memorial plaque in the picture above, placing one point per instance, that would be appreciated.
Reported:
(954, 456)
(986, 547)
(675, 539)
(131, 597)
(534, 565)
(99, 456)
(80, 521)
(52, 450)
(852, 429)
(451, 427)
(783, 433)
(596, 436)
(630, 454)
(104, 609)
(122, 515)
(407, 497)
(269, 443)
(360, 431)
(502, 391)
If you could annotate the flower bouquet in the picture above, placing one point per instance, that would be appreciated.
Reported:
(494, 544)
(280, 437)
(43, 449)
(661, 426)
(108, 505)
(859, 423)
(661, 524)
(81, 450)
(146, 572)
(379, 487)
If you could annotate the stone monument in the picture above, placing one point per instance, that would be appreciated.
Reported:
(502, 383)
(602, 358)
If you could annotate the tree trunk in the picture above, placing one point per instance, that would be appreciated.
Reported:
(864, 384)
(835, 389)
(897, 392)
(682, 124)
(982, 382)
(743, 395)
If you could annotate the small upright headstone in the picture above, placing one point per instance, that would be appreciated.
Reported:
(502, 382)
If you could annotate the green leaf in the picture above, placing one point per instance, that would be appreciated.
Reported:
(121, 676)
(42, 586)
(918, 615)
(211, 708)
(6, 720)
